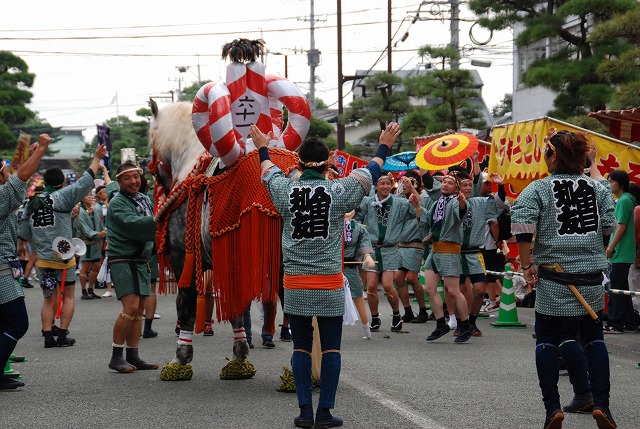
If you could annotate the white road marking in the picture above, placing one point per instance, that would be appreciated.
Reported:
(399, 408)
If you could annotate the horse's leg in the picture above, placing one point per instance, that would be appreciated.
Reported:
(240, 344)
(186, 310)
(186, 300)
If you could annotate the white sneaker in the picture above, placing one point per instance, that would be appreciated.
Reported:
(156, 316)
(107, 294)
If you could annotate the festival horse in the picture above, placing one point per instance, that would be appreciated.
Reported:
(217, 229)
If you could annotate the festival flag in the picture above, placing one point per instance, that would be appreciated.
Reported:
(345, 162)
(104, 137)
(22, 152)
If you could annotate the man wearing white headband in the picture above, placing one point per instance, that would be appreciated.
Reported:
(131, 233)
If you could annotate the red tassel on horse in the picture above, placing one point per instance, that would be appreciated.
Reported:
(187, 269)
(201, 313)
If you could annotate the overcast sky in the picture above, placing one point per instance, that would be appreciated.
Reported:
(84, 52)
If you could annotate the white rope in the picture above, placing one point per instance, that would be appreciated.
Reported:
(506, 274)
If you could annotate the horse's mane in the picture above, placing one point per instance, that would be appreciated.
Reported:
(172, 134)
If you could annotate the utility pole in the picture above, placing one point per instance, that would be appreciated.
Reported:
(455, 30)
(389, 35)
(313, 58)
(340, 130)
(199, 80)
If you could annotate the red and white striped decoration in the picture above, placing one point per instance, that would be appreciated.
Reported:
(299, 111)
(239, 334)
(222, 113)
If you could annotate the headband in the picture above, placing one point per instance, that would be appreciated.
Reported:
(547, 140)
(453, 175)
(314, 163)
(387, 176)
(139, 170)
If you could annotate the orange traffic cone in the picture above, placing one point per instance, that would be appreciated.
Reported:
(508, 315)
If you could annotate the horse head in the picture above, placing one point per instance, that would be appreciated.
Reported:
(174, 143)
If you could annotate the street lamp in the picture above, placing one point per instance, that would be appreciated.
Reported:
(480, 63)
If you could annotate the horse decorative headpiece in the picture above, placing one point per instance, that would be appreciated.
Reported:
(223, 112)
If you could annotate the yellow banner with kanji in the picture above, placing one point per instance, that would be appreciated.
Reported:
(516, 152)
(22, 152)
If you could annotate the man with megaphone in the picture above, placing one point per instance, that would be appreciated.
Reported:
(48, 216)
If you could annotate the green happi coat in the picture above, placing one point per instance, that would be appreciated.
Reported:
(386, 231)
(356, 245)
(312, 211)
(130, 238)
(480, 210)
(86, 226)
(11, 196)
(53, 218)
(568, 215)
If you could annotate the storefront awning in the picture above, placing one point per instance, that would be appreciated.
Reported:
(622, 124)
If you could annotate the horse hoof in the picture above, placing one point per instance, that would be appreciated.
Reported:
(236, 370)
(176, 372)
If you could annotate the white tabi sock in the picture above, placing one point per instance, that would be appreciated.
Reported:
(453, 322)
(367, 331)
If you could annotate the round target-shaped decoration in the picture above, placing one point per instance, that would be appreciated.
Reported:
(446, 151)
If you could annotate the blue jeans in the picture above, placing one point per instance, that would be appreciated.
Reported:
(621, 313)
(588, 369)
(330, 339)
(246, 318)
(14, 323)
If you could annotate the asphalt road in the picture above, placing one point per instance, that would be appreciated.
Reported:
(392, 381)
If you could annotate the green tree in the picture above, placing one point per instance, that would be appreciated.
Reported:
(620, 37)
(189, 92)
(447, 93)
(14, 97)
(320, 104)
(319, 128)
(385, 101)
(571, 71)
(503, 107)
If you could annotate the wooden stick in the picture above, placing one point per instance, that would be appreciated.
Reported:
(578, 295)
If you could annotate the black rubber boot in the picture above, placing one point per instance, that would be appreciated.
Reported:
(324, 419)
(408, 315)
(422, 316)
(49, 341)
(118, 363)
(148, 332)
(305, 419)
(134, 359)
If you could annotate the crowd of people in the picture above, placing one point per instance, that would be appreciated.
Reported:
(368, 228)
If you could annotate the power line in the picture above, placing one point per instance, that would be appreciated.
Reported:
(222, 33)
(134, 27)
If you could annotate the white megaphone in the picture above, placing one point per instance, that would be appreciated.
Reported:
(64, 248)
(79, 247)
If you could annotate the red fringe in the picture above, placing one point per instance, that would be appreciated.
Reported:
(187, 270)
(243, 271)
(241, 217)
(201, 313)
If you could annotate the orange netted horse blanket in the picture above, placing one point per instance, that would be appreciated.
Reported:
(245, 231)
